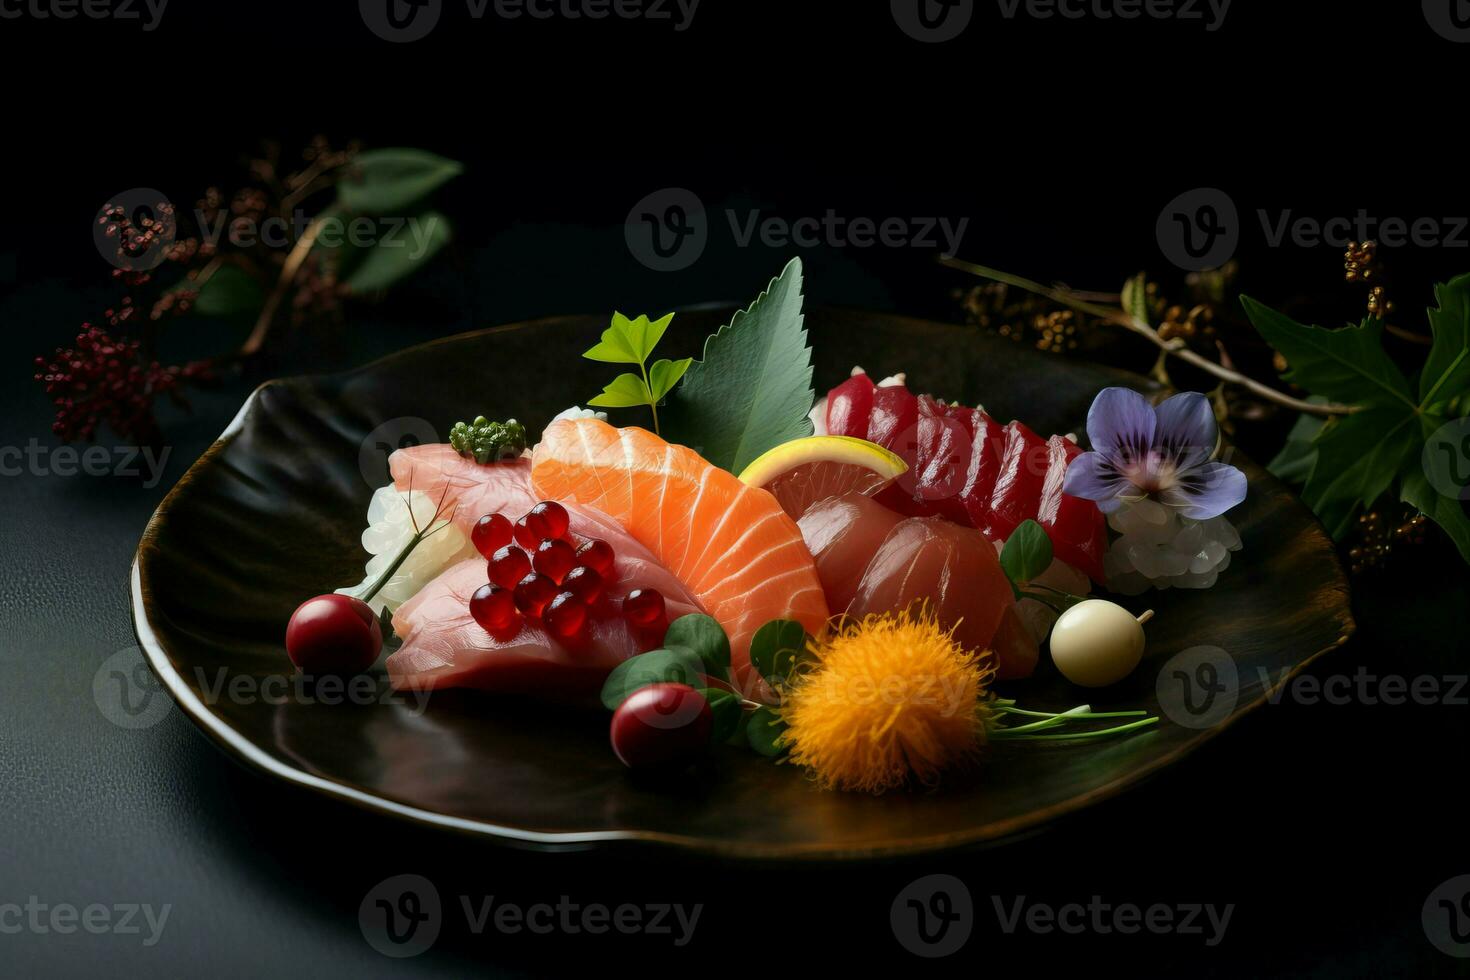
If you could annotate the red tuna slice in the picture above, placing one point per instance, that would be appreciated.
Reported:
(444, 647)
(843, 533)
(1017, 494)
(849, 406)
(894, 415)
(1077, 529)
(952, 569)
(938, 453)
(987, 447)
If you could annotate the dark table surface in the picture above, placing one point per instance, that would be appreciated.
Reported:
(1324, 825)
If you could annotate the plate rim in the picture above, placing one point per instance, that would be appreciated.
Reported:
(246, 751)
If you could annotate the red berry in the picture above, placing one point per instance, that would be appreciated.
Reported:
(661, 726)
(585, 584)
(644, 608)
(533, 593)
(565, 616)
(597, 555)
(492, 532)
(548, 520)
(508, 566)
(554, 559)
(333, 634)
(495, 610)
(525, 537)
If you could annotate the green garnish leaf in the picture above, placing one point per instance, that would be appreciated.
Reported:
(1135, 297)
(1295, 461)
(778, 649)
(665, 374)
(1358, 457)
(398, 255)
(629, 341)
(625, 391)
(704, 635)
(725, 707)
(1447, 512)
(488, 442)
(764, 731)
(674, 665)
(1027, 553)
(752, 389)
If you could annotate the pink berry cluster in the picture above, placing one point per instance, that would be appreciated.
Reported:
(542, 574)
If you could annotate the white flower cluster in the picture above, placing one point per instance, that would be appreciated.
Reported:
(1161, 549)
(390, 528)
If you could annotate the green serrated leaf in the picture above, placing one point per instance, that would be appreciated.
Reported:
(704, 635)
(1347, 365)
(1447, 512)
(778, 649)
(1447, 371)
(400, 254)
(1358, 457)
(727, 713)
(671, 665)
(1295, 461)
(752, 389)
(624, 391)
(1027, 553)
(1135, 297)
(764, 730)
(616, 345)
(392, 179)
(664, 374)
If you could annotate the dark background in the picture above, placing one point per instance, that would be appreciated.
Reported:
(1326, 825)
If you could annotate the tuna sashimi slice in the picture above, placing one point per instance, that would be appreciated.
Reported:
(953, 569)
(1077, 529)
(848, 407)
(843, 533)
(1017, 494)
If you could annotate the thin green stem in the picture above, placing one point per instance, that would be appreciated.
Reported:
(652, 407)
(1077, 736)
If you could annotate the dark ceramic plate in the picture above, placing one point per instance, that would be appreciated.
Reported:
(271, 514)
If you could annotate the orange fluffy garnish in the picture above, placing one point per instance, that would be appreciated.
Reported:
(891, 699)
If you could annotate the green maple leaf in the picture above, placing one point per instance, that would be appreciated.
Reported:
(1447, 512)
(1345, 365)
(752, 390)
(1447, 372)
(1358, 457)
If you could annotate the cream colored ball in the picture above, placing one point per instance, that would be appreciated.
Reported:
(1096, 643)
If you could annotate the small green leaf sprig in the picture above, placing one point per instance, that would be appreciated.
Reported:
(632, 342)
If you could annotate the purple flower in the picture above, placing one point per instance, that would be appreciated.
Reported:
(1163, 452)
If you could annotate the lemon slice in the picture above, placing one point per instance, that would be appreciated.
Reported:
(801, 472)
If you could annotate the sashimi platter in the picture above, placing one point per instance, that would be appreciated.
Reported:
(834, 584)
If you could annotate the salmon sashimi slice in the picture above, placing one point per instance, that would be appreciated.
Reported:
(734, 548)
(443, 646)
(843, 533)
(954, 571)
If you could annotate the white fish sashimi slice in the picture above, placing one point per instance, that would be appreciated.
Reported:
(469, 489)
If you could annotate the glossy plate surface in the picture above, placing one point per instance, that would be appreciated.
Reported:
(272, 513)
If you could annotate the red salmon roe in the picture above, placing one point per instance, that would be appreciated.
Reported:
(492, 532)
(597, 555)
(533, 593)
(554, 559)
(585, 584)
(495, 610)
(548, 520)
(565, 617)
(525, 537)
(508, 566)
(644, 608)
